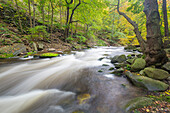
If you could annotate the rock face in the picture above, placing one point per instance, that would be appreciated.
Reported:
(138, 64)
(156, 73)
(118, 59)
(167, 66)
(137, 103)
(147, 83)
(15, 49)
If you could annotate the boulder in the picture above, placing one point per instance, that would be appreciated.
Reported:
(166, 66)
(130, 47)
(138, 102)
(40, 46)
(118, 71)
(118, 65)
(34, 46)
(130, 61)
(118, 59)
(138, 64)
(15, 49)
(146, 82)
(142, 73)
(156, 73)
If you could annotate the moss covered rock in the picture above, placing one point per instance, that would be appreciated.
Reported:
(156, 73)
(137, 103)
(138, 64)
(167, 66)
(118, 59)
(146, 82)
(48, 55)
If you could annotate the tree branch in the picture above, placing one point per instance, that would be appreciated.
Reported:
(142, 42)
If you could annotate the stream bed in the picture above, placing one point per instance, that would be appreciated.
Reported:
(53, 85)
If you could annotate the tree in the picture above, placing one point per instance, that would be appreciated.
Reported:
(19, 20)
(136, 29)
(165, 18)
(153, 47)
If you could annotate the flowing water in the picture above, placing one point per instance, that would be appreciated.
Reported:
(51, 85)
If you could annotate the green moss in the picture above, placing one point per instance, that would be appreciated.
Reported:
(48, 55)
(5, 55)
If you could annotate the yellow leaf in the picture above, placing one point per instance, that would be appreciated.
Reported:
(82, 98)
(147, 110)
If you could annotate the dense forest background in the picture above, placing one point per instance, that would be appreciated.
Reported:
(79, 23)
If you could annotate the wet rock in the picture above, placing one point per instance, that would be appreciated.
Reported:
(118, 71)
(142, 73)
(51, 50)
(130, 47)
(130, 61)
(139, 55)
(137, 103)
(118, 59)
(118, 65)
(112, 68)
(138, 64)
(146, 82)
(105, 65)
(100, 59)
(156, 73)
(167, 66)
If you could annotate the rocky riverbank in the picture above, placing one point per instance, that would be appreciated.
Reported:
(155, 78)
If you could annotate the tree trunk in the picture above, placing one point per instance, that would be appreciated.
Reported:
(154, 46)
(52, 8)
(29, 6)
(48, 17)
(136, 29)
(20, 24)
(34, 13)
(165, 18)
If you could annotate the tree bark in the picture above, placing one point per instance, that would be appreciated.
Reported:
(34, 13)
(20, 24)
(165, 18)
(52, 8)
(154, 46)
(29, 6)
(136, 29)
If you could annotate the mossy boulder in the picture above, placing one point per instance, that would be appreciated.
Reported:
(118, 72)
(138, 64)
(118, 59)
(156, 73)
(138, 102)
(130, 61)
(167, 66)
(146, 82)
(130, 47)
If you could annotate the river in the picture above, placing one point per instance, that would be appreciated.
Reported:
(52, 85)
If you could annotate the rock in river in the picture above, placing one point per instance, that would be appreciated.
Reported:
(138, 64)
(156, 73)
(146, 82)
(137, 103)
(118, 59)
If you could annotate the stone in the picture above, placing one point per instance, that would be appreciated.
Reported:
(40, 46)
(34, 46)
(130, 47)
(142, 73)
(118, 59)
(118, 65)
(51, 50)
(166, 66)
(138, 102)
(146, 82)
(158, 74)
(130, 61)
(118, 71)
(138, 64)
